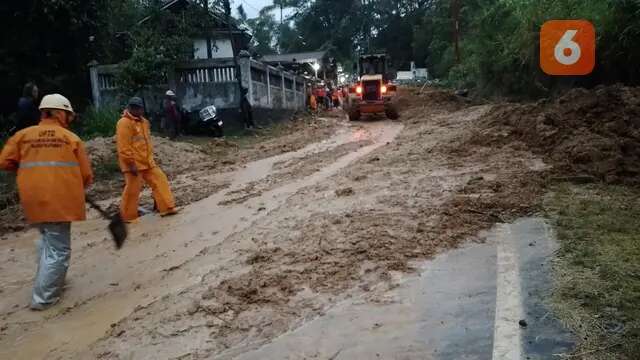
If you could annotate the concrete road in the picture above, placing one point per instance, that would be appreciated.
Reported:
(466, 304)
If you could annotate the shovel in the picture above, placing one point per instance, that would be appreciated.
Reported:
(117, 227)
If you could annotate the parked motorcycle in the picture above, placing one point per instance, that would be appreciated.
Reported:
(210, 121)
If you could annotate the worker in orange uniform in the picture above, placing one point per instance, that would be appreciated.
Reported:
(135, 155)
(53, 171)
(313, 104)
(335, 98)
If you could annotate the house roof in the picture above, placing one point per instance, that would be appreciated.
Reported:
(171, 3)
(304, 57)
(215, 10)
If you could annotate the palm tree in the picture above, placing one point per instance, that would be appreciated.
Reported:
(282, 4)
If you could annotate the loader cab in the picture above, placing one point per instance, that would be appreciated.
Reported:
(373, 80)
(373, 92)
(373, 65)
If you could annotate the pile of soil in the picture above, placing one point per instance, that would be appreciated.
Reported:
(583, 132)
(219, 147)
(431, 98)
(174, 157)
(101, 150)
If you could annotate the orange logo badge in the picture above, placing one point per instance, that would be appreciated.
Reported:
(567, 47)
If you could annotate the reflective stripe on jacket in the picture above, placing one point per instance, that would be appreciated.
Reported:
(133, 137)
(53, 172)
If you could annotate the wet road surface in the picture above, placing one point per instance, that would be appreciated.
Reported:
(464, 304)
(448, 312)
(105, 286)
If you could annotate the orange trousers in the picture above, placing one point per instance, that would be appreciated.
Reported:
(159, 184)
(313, 104)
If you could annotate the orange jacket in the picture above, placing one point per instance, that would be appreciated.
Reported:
(53, 171)
(133, 137)
(313, 104)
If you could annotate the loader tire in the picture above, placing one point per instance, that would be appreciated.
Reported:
(391, 113)
(354, 115)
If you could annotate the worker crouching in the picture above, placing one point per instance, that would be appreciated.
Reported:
(53, 171)
(135, 156)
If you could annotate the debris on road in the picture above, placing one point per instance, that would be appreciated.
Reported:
(189, 162)
(582, 133)
(429, 190)
(344, 192)
(316, 249)
(523, 323)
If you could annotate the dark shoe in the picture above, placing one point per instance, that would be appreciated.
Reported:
(169, 212)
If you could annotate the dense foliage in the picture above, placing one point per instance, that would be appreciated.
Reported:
(498, 38)
(97, 122)
(158, 42)
(48, 42)
(52, 42)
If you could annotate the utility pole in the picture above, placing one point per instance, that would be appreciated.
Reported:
(366, 26)
(455, 15)
(280, 4)
(205, 4)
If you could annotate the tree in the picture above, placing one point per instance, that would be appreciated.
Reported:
(242, 14)
(50, 43)
(163, 40)
(263, 27)
(281, 5)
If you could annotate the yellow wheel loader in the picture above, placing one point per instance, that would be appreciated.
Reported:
(373, 93)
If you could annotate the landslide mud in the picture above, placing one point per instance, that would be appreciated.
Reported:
(592, 133)
(186, 162)
(348, 235)
(164, 255)
(285, 238)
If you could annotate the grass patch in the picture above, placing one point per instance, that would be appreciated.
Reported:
(597, 269)
(97, 122)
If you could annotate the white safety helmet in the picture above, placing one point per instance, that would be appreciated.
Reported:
(56, 101)
(170, 93)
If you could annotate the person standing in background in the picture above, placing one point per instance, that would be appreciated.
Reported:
(246, 110)
(327, 97)
(313, 103)
(335, 98)
(28, 113)
(320, 95)
(172, 115)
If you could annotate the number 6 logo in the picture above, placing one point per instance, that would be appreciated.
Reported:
(567, 47)
(567, 43)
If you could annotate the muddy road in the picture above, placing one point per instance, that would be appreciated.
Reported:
(282, 244)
